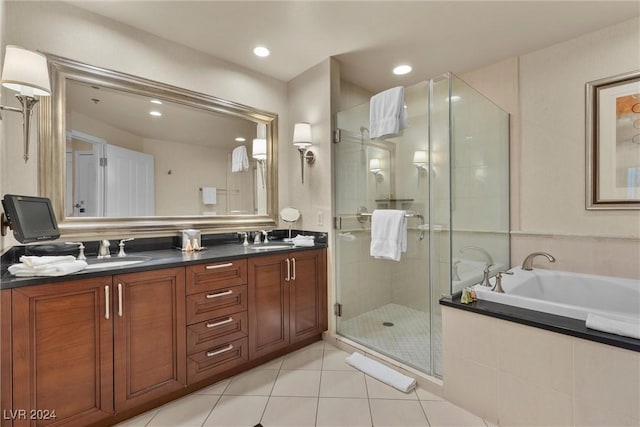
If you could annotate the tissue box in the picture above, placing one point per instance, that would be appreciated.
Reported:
(190, 239)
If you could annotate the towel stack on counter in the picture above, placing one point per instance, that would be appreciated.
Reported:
(50, 266)
(301, 240)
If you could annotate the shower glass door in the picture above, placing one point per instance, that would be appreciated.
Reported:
(385, 305)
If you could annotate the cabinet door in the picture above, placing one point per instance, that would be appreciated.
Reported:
(308, 300)
(63, 353)
(149, 343)
(268, 305)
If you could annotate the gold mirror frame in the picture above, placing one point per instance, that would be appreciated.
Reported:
(52, 144)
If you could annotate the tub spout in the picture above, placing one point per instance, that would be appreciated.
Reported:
(527, 264)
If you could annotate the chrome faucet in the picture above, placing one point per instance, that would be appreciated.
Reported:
(256, 238)
(81, 255)
(527, 264)
(482, 251)
(121, 252)
(103, 249)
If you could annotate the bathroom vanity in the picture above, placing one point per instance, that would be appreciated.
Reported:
(100, 346)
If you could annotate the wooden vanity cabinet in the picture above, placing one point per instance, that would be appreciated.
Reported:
(287, 299)
(86, 349)
(149, 336)
(217, 325)
(62, 353)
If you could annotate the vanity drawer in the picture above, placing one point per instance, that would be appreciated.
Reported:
(216, 275)
(217, 359)
(216, 331)
(213, 304)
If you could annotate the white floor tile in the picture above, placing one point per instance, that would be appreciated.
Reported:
(241, 411)
(445, 413)
(189, 411)
(303, 359)
(397, 413)
(426, 395)
(290, 411)
(379, 390)
(257, 382)
(139, 421)
(335, 361)
(340, 412)
(217, 388)
(272, 364)
(343, 384)
(299, 383)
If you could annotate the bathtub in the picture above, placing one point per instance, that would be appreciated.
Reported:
(567, 294)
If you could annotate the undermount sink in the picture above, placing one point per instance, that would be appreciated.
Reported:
(95, 264)
(269, 246)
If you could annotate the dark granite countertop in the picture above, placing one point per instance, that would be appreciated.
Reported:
(537, 319)
(160, 256)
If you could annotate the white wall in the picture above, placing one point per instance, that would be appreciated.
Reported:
(61, 29)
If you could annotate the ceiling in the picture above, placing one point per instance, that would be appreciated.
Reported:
(368, 37)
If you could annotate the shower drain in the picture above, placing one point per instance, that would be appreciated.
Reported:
(387, 324)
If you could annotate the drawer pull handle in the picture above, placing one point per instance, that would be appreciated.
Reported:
(220, 323)
(120, 299)
(220, 294)
(106, 302)
(213, 267)
(217, 352)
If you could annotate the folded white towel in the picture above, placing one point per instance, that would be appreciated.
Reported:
(209, 195)
(381, 372)
(239, 159)
(387, 115)
(48, 270)
(305, 241)
(35, 261)
(388, 233)
(626, 327)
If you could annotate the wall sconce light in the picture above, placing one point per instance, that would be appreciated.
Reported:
(25, 72)
(421, 160)
(374, 167)
(302, 140)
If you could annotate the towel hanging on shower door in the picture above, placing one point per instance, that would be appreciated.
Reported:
(387, 115)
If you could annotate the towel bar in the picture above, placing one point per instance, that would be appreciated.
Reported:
(363, 215)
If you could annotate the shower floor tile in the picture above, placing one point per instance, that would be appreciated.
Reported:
(406, 341)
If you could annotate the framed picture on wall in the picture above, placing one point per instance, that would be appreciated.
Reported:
(613, 142)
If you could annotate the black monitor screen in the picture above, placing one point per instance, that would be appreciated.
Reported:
(32, 218)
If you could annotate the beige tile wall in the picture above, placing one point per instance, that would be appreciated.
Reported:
(513, 374)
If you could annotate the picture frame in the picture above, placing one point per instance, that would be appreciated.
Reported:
(613, 142)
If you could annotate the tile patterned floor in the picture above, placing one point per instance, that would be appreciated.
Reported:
(406, 341)
(310, 387)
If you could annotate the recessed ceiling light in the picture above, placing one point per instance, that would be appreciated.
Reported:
(155, 113)
(156, 101)
(240, 139)
(402, 69)
(261, 51)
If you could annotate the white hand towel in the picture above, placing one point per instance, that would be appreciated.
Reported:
(209, 195)
(48, 270)
(387, 115)
(303, 241)
(381, 372)
(388, 233)
(626, 327)
(35, 261)
(239, 159)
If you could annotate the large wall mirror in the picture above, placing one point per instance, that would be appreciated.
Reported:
(120, 154)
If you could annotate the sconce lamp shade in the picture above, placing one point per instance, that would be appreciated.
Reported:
(26, 72)
(374, 165)
(420, 158)
(302, 135)
(259, 149)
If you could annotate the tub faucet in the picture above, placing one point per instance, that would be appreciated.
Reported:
(486, 254)
(527, 264)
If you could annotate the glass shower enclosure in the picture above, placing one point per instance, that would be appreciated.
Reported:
(449, 171)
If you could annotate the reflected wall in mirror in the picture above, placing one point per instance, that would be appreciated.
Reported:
(141, 156)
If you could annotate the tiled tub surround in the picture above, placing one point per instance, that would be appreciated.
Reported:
(514, 374)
